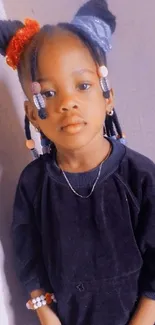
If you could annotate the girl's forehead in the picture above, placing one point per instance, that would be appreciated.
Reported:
(64, 50)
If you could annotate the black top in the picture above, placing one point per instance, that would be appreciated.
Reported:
(97, 254)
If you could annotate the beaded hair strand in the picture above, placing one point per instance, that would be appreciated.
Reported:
(38, 99)
(30, 144)
(36, 89)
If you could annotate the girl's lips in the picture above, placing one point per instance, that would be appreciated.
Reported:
(73, 125)
(73, 128)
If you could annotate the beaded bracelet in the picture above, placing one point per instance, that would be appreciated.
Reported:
(40, 301)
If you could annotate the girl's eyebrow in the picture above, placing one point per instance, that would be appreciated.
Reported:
(80, 71)
(43, 80)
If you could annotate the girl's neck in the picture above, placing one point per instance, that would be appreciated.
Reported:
(85, 158)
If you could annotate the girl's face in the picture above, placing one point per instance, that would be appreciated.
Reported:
(75, 104)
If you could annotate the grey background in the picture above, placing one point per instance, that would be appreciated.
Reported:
(132, 72)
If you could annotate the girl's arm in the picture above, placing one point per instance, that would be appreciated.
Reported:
(145, 313)
(28, 248)
(27, 240)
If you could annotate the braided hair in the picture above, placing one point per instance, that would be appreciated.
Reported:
(96, 8)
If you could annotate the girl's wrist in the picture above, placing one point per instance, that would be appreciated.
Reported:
(37, 293)
(40, 299)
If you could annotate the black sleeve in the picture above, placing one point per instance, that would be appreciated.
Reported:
(147, 234)
(27, 241)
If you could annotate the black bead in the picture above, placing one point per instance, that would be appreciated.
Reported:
(42, 113)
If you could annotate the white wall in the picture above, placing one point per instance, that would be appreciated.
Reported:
(132, 73)
(8, 176)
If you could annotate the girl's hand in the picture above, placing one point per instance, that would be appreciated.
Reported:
(47, 316)
(145, 313)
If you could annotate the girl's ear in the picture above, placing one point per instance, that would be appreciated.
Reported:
(110, 102)
(31, 113)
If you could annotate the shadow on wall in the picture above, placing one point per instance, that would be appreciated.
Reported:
(13, 158)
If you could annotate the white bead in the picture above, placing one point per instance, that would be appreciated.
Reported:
(38, 299)
(54, 299)
(103, 71)
(28, 306)
(42, 298)
(44, 303)
(34, 301)
(39, 304)
(35, 306)
(39, 100)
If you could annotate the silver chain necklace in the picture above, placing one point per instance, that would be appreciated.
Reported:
(95, 183)
(93, 187)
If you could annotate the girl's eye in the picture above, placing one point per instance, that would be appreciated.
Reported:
(49, 93)
(84, 86)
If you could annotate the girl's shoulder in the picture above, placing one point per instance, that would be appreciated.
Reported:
(31, 178)
(136, 162)
(137, 173)
(131, 164)
(33, 170)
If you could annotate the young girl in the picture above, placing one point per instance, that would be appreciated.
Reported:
(84, 212)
